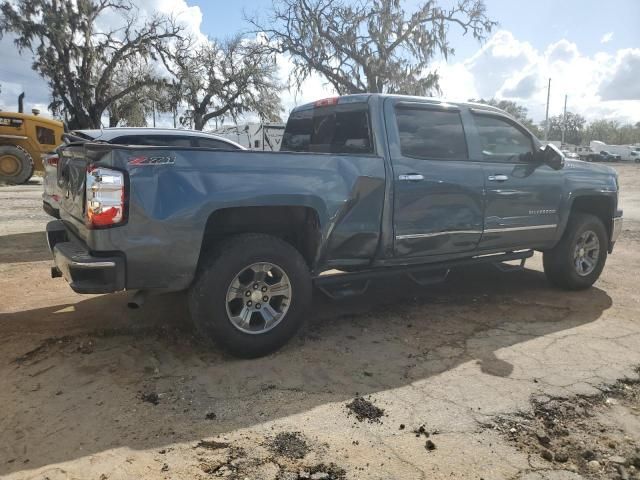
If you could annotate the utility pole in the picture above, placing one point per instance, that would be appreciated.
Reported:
(153, 104)
(564, 119)
(546, 117)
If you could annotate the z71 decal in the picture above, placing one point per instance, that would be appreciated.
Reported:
(144, 160)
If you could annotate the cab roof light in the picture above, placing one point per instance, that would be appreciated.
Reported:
(326, 102)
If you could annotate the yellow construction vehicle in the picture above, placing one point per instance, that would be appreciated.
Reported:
(23, 140)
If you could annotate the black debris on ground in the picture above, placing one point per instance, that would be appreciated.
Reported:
(289, 444)
(365, 410)
(150, 397)
(429, 445)
(568, 432)
(210, 416)
(315, 472)
(211, 444)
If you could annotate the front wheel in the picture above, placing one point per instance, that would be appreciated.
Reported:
(576, 262)
(250, 295)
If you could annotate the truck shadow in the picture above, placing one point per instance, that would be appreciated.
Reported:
(81, 393)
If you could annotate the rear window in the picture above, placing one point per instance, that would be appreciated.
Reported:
(431, 134)
(334, 129)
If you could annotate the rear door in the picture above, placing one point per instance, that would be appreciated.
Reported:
(522, 196)
(438, 191)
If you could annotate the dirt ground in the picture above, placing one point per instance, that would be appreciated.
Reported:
(490, 375)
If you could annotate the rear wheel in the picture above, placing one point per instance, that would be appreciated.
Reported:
(578, 259)
(250, 295)
(16, 165)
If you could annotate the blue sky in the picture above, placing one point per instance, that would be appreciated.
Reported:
(539, 22)
(590, 49)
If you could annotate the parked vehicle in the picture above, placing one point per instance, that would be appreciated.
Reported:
(126, 136)
(23, 140)
(620, 152)
(371, 185)
(606, 156)
(571, 155)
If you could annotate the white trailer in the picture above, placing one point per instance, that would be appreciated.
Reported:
(254, 136)
(627, 153)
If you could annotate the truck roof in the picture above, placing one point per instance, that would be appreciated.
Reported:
(364, 97)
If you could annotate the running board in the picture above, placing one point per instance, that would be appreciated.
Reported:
(341, 285)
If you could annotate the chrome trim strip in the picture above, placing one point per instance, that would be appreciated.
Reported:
(471, 232)
(516, 229)
(92, 264)
(435, 234)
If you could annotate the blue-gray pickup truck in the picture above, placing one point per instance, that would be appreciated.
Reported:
(364, 185)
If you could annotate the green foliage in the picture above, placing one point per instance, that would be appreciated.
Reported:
(81, 62)
(573, 125)
(612, 132)
(369, 45)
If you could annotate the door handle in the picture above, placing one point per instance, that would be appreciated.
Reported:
(411, 177)
(497, 178)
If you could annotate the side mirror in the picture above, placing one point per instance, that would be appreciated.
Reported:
(552, 156)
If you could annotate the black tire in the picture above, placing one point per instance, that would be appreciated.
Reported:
(17, 165)
(560, 262)
(208, 294)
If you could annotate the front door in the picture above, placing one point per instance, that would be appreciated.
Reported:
(522, 196)
(438, 192)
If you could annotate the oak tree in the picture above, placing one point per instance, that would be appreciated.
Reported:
(369, 45)
(80, 56)
(219, 79)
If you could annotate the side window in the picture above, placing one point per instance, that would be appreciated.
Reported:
(45, 136)
(431, 134)
(212, 143)
(501, 140)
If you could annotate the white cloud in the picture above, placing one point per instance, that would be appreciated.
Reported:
(601, 85)
(624, 80)
(607, 37)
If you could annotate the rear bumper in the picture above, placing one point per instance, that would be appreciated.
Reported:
(85, 272)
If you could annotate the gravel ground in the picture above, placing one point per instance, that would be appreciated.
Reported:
(468, 376)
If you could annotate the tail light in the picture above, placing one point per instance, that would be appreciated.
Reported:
(105, 190)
